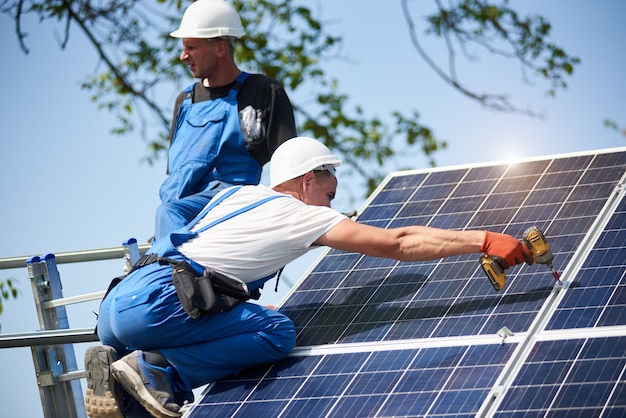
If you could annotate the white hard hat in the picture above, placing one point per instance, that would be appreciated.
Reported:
(297, 156)
(209, 19)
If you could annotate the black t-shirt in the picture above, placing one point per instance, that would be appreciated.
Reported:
(265, 113)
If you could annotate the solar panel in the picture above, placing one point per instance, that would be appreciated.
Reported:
(377, 337)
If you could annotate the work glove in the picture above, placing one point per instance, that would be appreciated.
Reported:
(510, 250)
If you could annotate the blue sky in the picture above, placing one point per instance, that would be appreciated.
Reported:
(67, 184)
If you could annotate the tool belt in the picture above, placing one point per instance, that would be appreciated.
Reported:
(209, 293)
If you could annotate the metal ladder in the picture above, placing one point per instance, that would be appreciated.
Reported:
(52, 349)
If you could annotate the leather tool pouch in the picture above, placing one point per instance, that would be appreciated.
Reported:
(208, 294)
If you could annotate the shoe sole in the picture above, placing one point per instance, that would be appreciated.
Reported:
(99, 399)
(132, 382)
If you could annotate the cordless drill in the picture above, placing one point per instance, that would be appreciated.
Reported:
(541, 253)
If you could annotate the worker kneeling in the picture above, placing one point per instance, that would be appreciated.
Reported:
(159, 352)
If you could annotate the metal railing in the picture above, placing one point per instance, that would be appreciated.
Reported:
(52, 347)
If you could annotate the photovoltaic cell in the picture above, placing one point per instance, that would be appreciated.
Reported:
(384, 383)
(439, 312)
(580, 377)
(597, 296)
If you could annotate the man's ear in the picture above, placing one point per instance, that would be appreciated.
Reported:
(310, 176)
(222, 49)
(307, 179)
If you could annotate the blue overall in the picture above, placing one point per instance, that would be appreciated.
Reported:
(208, 154)
(143, 313)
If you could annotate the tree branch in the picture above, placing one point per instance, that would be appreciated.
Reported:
(448, 22)
(124, 86)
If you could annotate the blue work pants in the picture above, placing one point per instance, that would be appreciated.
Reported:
(144, 313)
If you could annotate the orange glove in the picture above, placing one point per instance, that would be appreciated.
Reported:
(511, 250)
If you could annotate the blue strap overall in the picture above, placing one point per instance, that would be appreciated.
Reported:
(143, 313)
(167, 248)
(208, 154)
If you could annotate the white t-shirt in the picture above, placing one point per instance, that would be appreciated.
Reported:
(259, 242)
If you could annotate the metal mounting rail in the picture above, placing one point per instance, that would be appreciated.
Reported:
(111, 253)
(61, 336)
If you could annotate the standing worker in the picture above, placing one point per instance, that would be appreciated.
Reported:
(158, 351)
(226, 126)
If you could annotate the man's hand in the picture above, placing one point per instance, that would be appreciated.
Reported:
(511, 250)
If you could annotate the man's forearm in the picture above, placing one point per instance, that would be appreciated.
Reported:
(418, 243)
(410, 243)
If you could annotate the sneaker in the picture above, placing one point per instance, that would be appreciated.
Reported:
(148, 384)
(101, 399)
